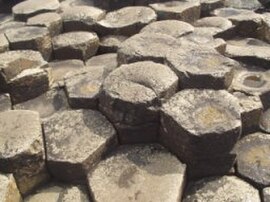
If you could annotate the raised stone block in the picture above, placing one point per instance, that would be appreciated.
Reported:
(111, 43)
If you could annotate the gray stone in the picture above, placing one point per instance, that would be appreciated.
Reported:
(138, 173)
(266, 194)
(251, 111)
(253, 83)
(30, 38)
(111, 43)
(113, 4)
(10, 25)
(5, 102)
(194, 119)
(5, 18)
(146, 46)
(75, 45)
(81, 18)
(46, 104)
(226, 188)
(74, 193)
(131, 98)
(69, 156)
(52, 21)
(29, 8)
(207, 6)
(253, 158)
(71, 3)
(174, 28)
(265, 121)
(264, 32)
(4, 44)
(186, 10)
(8, 189)
(126, 21)
(243, 4)
(201, 68)
(21, 149)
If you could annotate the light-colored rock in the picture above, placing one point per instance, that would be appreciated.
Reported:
(5, 102)
(4, 44)
(8, 189)
(265, 121)
(266, 194)
(111, 43)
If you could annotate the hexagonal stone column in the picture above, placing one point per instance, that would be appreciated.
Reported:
(52, 21)
(30, 38)
(69, 156)
(187, 10)
(81, 18)
(126, 21)
(4, 44)
(75, 45)
(201, 68)
(131, 98)
(221, 189)
(146, 46)
(8, 189)
(194, 119)
(265, 121)
(138, 173)
(21, 149)
(253, 158)
(111, 43)
(29, 8)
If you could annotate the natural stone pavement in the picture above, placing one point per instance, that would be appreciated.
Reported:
(136, 100)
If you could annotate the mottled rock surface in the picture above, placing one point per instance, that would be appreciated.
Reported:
(265, 121)
(111, 43)
(5, 102)
(8, 189)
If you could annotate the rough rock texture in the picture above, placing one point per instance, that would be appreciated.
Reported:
(207, 6)
(10, 25)
(72, 3)
(111, 43)
(138, 173)
(21, 149)
(70, 156)
(30, 38)
(244, 4)
(29, 8)
(52, 21)
(4, 44)
(146, 46)
(8, 189)
(187, 10)
(126, 21)
(265, 121)
(5, 102)
(194, 119)
(75, 45)
(131, 97)
(227, 188)
(81, 18)
(266, 194)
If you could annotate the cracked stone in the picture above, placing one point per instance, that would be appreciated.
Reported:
(253, 158)
(146, 46)
(138, 173)
(111, 43)
(126, 21)
(266, 194)
(174, 28)
(4, 44)
(75, 45)
(207, 6)
(5, 102)
(221, 189)
(70, 157)
(21, 149)
(187, 10)
(265, 121)
(201, 68)
(8, 189)
(29, 8)
(52, 21)
(30, 38)
(81, 18)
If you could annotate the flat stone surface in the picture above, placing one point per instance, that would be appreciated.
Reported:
(253, 158)
(146, 46)
(111, 43)
(221, 189)
(265, 121)
(8, 189)
(29, 8)
(5, 102)
(187, 10)
(70, 156)
(4, 44)
(72, 3)
(243, 4)
(201, 68)
(266, 194)
(174, 28)
(21, 149)
(81, 18)
(52, 21)
(30, 38)
(132, 95)
(126, 21)
(10, 25)
(75, 45)
(138, 173)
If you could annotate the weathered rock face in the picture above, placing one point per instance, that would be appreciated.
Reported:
(266, 194)
(131, 97)
(243, 4)
(21, 149)
(207, 6)
(5, 102)
(194, 119)
(265, 121)
(138, 173)
(221, 189)
(75, 45)
(29, 8)
(126, 21)
(72, 3)
(4, 44)
(253, 158)
(8, 189)
(75, 141)
(10, 25)
(265, 3)
(111, 43)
